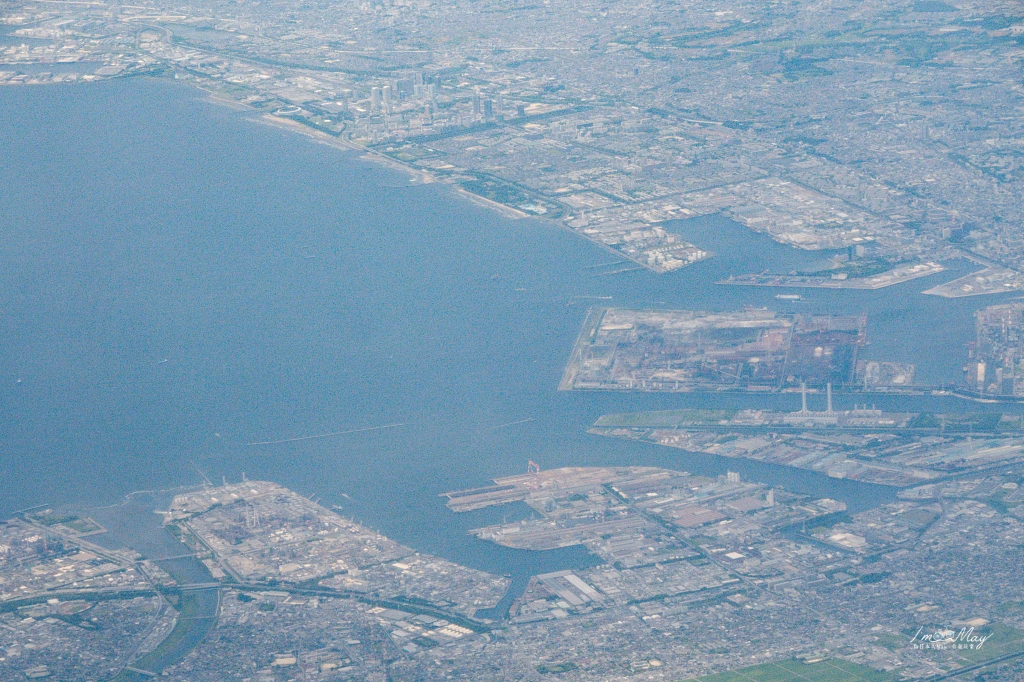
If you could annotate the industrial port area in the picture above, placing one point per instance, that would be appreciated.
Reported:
(753, 350)
(996, 366)
(687, 564)
(616, 125)
(870, 154)
(638, 518)
(286, 574)
(757, 350)
(260, 533)
(863, 444)
(702, 561)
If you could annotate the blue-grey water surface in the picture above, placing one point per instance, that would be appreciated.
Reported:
(178, 280)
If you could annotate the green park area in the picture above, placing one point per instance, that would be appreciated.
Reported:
(827, 670)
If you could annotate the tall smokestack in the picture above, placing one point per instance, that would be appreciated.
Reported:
(803, 397)
(828, 388)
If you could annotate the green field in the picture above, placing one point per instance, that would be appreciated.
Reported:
(664, 418)
(829, 670)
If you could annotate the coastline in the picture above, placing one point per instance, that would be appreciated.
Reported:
(421, 177)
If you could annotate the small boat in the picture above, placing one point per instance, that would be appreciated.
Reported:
(788, 297)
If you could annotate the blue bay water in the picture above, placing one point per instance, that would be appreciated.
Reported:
(178, 280)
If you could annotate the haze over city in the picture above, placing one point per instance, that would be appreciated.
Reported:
(499, 340)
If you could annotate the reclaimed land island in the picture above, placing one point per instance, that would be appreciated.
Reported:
(752, 350)
(864, 444)
(838, 279)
